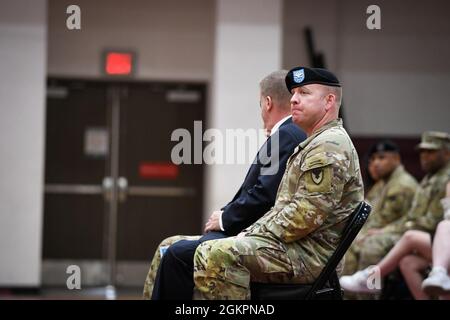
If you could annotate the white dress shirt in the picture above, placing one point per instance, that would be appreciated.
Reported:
(274, 129)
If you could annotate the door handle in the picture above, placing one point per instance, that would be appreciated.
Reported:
(107, 186)
(122, 184)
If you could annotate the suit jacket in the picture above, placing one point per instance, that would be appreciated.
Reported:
(257, 193)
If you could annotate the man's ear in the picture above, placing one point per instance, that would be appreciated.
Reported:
(447, 154)
(268, 102)
(397, 157)
(330, 100)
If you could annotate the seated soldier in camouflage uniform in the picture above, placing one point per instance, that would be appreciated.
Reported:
(396, 189)
(321, 187)
(412, 253)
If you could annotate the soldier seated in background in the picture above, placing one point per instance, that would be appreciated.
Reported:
(321, 187)
(394, 193)
(412, 253)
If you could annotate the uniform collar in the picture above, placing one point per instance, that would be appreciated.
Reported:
(334, 123)
(430, 178)
(396, 173)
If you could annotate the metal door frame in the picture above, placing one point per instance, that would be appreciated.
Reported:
(101, 272)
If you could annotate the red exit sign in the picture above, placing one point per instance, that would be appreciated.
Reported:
(119, 63)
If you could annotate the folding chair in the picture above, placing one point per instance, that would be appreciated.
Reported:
(326, 286)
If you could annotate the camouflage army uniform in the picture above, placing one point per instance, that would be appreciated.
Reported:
(373, 196)
(427, 210)
(292, 242)
(393, 202)
(151, 275)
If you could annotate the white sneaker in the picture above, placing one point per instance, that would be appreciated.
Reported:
(437, 283)
(358, 282)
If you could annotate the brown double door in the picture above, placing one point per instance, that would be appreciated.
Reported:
(112, 192)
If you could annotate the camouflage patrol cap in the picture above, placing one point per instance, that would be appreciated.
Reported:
(434, 140)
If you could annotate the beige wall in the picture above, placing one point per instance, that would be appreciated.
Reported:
(395, 79)
(248, 47)
(322, 16)
(173, 39)
(22, 127)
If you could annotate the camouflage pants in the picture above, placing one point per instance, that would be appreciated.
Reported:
(369, 251)
(150, 280)
(224, 268)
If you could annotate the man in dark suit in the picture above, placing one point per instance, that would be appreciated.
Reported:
(171, 277)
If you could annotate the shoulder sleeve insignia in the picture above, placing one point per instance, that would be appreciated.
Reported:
(317, 175)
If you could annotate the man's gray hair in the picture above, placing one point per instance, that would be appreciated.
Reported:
(274, 86)
(337, 92)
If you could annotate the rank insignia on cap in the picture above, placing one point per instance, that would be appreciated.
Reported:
(299, 75)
